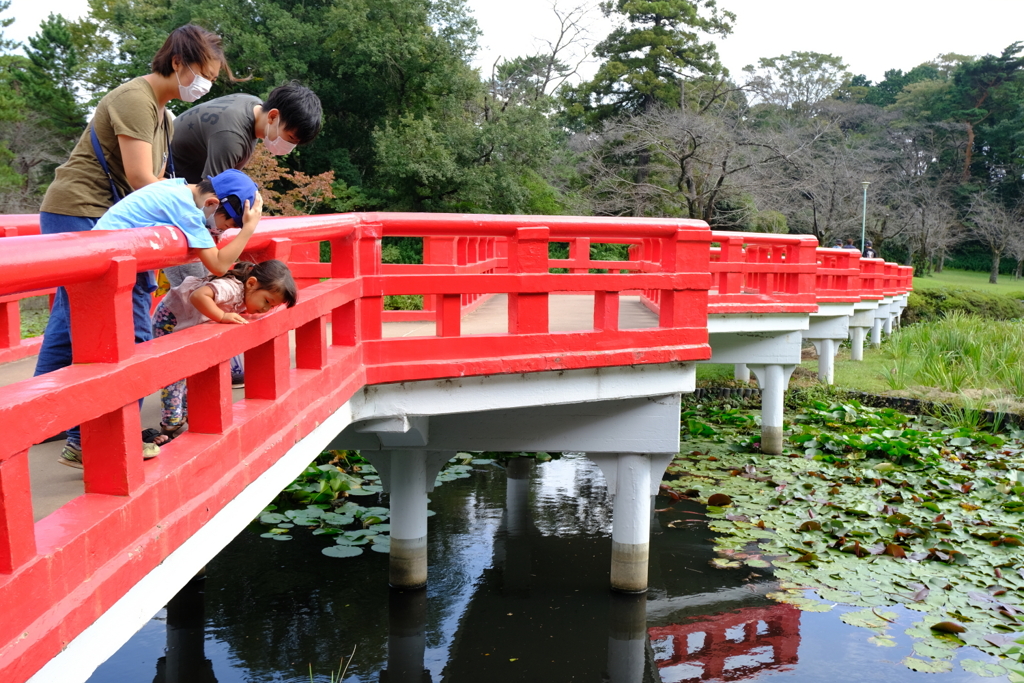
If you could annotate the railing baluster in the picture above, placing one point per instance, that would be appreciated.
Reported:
(606, 311)
(209, 399)
(112, 452)
(17, 531)
(10, 324)
(266, 369)
(311, 344)
(449, 315)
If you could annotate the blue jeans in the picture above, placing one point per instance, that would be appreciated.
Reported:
(55, 352)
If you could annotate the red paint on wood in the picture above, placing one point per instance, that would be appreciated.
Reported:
(17, 534)
(112, 452)
(311, 344)
(266, 369)
(209, 399)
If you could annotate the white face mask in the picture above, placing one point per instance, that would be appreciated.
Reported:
(199, 87)
(278, 145)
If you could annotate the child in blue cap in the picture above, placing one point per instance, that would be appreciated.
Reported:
(202, 211)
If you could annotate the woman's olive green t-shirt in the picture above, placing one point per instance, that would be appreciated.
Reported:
(80, 187)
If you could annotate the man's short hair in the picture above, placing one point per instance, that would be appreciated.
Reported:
(300, 110)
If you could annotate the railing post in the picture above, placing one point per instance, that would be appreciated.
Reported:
(730, 279)
(371, 308)
(344, 330)
(17, 529)
(579, 250)
(437, 251)
(209, 399)
(528, 253)
(102, 327)
(680, 254)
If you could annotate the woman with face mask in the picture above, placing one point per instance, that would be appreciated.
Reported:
(125, 147)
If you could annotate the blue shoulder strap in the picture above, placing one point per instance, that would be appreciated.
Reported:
(167, 142)
(103, 163)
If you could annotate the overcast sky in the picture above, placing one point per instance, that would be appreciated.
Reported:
(871, 35)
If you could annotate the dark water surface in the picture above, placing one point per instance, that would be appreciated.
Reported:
(516, 594)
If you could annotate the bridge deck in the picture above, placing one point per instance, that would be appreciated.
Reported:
(54, 485)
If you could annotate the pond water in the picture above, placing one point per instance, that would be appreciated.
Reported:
(517, 592)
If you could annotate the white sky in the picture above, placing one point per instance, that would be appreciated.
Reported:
(871, 35)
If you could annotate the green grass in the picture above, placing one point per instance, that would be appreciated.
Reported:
(866, 375)
(970, 279)
(33, 322)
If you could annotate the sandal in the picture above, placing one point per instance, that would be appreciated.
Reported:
(173, 432)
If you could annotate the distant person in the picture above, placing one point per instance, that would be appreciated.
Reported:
(246, 289)
(221, 134)
(230, 200)
(850, 245)
(869, 251)
(838, 244)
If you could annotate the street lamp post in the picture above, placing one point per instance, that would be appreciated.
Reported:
(864, 216)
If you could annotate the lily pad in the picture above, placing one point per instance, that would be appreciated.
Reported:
(882, 641)
(983, 669)
(342, 551)
(928, 666)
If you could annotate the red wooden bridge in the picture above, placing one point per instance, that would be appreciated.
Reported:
(532, 352)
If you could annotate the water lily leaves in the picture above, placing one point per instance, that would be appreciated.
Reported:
(380, 527)
(382, 513)
(797, 599)
(482, 461)
(882, 641)
(379, 548)
(722, 563)
(338, 520)
(719, 500)
(983, 669)
(341, 551)
(279, 536)
(930, 666)
(363, 492)
(869, 618)
(272, 518)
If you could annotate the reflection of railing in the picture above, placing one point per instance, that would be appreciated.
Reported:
(12, 346)
(729, 646)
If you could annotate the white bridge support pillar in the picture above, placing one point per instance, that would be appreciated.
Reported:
(633, 480)
(827, 349)
(741, 373)
(408, 475)
(773, 380)
(862, 320)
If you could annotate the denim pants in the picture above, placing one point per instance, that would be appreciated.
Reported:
(55, 352)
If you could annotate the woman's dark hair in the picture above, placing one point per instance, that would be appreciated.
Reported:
(192, 45)
(205, 186)
(299, 108)
(272, 276)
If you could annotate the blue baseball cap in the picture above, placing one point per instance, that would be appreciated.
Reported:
(233, 182)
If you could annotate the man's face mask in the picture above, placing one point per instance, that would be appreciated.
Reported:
(278, 146)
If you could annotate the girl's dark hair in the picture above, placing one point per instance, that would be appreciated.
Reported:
(192, 45)
(271, 275)
(205, 186)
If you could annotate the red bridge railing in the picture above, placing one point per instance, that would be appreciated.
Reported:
(59, 574)
(12, 346)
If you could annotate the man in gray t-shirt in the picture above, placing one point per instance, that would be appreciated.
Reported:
(220, 134)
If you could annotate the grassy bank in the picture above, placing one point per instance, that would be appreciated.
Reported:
(969, 279)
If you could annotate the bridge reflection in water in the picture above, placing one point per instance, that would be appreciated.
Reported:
(520, 558)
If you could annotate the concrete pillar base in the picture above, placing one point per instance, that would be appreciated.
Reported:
(629, 567)
(408, 565)
(876, 333)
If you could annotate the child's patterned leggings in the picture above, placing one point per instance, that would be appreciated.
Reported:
(173, 398)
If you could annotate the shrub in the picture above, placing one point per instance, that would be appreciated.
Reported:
(928, 305)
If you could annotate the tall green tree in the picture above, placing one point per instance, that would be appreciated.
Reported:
(50, 80)
(646, 60)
